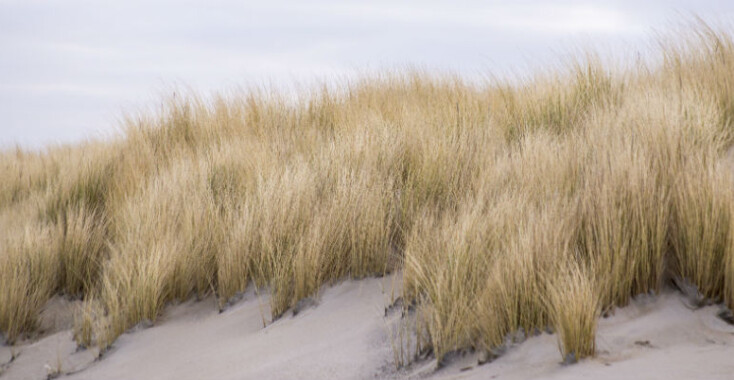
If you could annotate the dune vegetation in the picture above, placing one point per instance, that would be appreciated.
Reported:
(507, 205)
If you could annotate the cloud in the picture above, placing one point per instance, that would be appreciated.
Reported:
(111, 53)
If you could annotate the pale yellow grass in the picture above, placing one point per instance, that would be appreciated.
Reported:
(510, 207)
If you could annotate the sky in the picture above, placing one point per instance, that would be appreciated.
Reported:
(70, 69)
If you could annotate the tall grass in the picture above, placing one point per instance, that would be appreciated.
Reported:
(573, 308)
(28, 271)
(509, 207)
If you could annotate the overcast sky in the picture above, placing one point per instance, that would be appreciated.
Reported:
(69, 68)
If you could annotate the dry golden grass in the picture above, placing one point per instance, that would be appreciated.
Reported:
(573, 308)
(28, 271)
(509, 207)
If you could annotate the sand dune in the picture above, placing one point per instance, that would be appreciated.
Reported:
(344, 335)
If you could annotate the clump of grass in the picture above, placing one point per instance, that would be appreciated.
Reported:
(165, 238)
(699, 60)
(445, 287)
(84, 180)
(702, 227)
(574, 308)
(23, 173)
(82, 249)
(28, 270)
(623, 216)
(133, 292)
(235, 259)
(557, 101)
(86, 319)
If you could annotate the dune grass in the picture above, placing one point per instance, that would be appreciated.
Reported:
(508, 206)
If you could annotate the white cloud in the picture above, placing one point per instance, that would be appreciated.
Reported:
(67, 65)
(534, 17)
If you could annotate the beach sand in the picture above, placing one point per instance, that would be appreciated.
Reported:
(345, 334)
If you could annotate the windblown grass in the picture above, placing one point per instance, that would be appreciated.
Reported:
(573, 307)
(508, 207)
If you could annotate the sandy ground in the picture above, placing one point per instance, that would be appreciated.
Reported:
(653, 338)
(52, 352)
(345, 335)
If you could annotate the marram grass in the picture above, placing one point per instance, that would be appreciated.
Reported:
(507, 206)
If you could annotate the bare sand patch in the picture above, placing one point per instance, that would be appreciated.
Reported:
(345, 336)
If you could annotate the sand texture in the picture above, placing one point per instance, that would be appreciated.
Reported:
(345, 334)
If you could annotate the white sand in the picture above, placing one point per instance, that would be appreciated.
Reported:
(53, 351)
(653, 338)
(346, 337)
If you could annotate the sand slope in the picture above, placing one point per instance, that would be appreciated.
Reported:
(52, 352)
(345, 336)
(653, 338)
